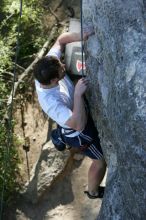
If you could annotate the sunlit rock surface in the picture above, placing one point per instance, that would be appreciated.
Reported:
(116, 65)
(49, 167)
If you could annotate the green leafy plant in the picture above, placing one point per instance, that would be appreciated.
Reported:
(30, 40)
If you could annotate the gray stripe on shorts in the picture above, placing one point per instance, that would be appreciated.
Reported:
(86, 136)
(80, 142)
(98, 150)
(95, 151)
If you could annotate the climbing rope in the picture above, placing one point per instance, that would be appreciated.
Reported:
(9, 118)
(82, 39)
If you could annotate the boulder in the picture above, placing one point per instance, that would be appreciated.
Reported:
(116, 67)
(49, 167)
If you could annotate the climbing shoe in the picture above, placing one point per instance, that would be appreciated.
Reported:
(99, 195)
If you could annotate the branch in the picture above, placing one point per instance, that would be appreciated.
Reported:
(4, 22)
(58, 6)
(31, 66)
(8, 73)
(29, 56)
(53, 13)
(20, 67)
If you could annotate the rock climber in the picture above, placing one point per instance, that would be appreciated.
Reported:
(64, 103)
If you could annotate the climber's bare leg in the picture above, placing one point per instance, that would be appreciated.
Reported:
(95, 175)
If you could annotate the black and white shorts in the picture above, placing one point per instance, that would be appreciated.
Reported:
(87, 140)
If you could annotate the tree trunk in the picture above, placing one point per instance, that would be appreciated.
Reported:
(116, 65)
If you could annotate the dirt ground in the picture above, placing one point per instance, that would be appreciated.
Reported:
(65, 200)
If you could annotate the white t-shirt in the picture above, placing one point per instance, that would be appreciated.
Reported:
(57, 102)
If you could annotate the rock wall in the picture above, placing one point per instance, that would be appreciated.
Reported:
(116, 65)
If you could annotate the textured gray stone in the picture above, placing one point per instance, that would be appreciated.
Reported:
(116, 65)
(48, 168)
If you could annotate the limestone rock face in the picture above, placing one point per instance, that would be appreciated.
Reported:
(116, 65)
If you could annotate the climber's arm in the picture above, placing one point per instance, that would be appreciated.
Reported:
(78, 119)
(66, 38)
(69, 37)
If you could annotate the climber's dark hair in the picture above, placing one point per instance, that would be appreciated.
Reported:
(46, 69)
